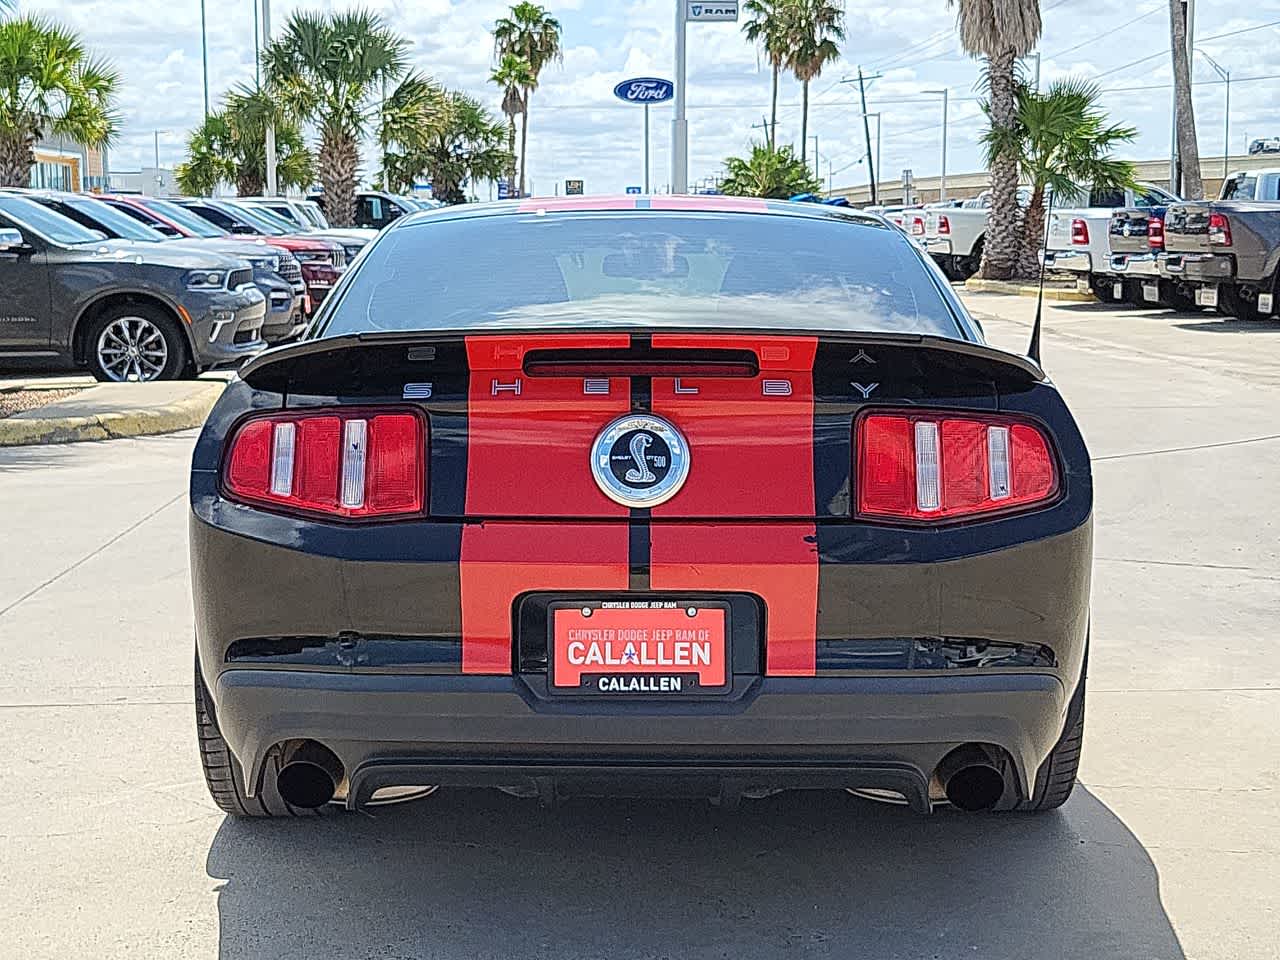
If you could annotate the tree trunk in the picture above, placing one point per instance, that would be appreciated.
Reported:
(511, 149)
(16, 160)
(339, 165)
(1032, 236)
(804, 126)
(249, 183)
(1004, 222)
(1188, 147)
(524, 140)
(773, 116)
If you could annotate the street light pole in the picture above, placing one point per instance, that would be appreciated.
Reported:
(942, 183)
(679, 125)
(204, 58)
(1225, 74)
(817, 170)
(272, 188)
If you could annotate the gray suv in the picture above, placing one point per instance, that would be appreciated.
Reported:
(127, 311)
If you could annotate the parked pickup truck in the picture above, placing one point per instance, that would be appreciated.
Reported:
(1079, 237)
(954, 236)
(1137, 260)
(1228, 250)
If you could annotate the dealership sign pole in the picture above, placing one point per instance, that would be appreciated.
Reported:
(686, 10)
(646, 91)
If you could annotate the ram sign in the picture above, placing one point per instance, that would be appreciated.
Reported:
(712, 12)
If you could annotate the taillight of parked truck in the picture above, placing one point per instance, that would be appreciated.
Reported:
(1219, 230)
(1155, 233)
(944, 226)
(1079, 233)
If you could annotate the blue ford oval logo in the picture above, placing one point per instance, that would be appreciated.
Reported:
(645, 90)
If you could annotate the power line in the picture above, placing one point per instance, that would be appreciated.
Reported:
(1105, 33)
(1220, 36)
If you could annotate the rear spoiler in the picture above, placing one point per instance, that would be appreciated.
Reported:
(275, 368)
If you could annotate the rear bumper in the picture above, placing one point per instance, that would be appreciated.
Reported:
(771, 733)
(1136, 264)
(1202, 267)
(1068, 261)
(938, 247)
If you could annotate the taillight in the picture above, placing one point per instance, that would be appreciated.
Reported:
(917, 226)
(930, 466)
(1219, 230)
(342, 463)
(1079, 232)
(944, 225)
(1155, 233)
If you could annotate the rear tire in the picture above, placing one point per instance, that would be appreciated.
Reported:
(224, 776)
(1056, 777)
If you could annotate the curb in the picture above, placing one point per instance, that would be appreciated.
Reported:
(129, 422)
(976, 285)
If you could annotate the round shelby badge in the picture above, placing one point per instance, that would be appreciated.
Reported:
(640, 460)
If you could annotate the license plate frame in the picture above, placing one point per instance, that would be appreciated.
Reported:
(655, 667)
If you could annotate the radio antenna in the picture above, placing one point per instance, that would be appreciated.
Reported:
(1033, 351)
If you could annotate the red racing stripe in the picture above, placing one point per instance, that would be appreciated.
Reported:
(778, 562)
(563, 204)
(750, 440)
(710, 203)
(529, 438)
(500, 561)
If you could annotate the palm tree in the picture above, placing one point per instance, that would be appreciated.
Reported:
(328, 69)
(767, 27)
(1062, 143)
(514, 76)
(532, 34)
(463, 146)
(1188, 146)
(812, 30)
(409, 114)
(49, 84)
(1001, 31)
(777, 174)
(230, 147)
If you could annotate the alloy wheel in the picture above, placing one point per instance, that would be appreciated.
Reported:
(132, 348)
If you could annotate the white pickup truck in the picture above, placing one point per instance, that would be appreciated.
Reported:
(1079, 238)
(954, 236)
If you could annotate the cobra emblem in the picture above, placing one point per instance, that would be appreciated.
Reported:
(640, 473)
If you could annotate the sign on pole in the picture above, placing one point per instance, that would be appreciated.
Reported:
(725, 12)
(573, 188)
(504, 189)
(642, 90)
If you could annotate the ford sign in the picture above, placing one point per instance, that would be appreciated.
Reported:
(644, 90)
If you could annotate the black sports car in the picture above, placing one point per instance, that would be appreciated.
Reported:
(686, 495)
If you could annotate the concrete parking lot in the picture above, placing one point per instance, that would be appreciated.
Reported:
(1170, 848)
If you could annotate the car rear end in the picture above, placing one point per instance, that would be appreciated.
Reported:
(1138, 250)
(415, 558)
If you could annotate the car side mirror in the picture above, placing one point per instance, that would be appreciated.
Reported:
(11, 241)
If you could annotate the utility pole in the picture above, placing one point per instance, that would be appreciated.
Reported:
(204, 58)
(679, 125)
(272, 186)
(257, 49)
(873, 166)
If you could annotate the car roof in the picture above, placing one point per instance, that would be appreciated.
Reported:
(664, 203)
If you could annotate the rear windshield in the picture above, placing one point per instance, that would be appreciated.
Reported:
(640, 269)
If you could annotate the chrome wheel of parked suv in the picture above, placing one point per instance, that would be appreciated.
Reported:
(135, 343)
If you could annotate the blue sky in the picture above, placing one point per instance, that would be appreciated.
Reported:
(579, 131)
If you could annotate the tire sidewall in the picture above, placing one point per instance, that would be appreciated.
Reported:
(177, 363)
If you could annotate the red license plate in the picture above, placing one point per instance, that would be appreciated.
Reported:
(651, 648)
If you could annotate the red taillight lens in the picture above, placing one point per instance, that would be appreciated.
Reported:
(342, 463)
(923, 466)
(917, 226)
(1155, 233)
(1219, 230)
(1079, 232)
(944, 226)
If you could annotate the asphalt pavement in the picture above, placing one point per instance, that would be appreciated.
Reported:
(1170, 848)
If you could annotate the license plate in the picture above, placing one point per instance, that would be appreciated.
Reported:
(1207, 296)
(1082, 285)
(1117, 290)
(1266, 303)
(644, 648)
(1151, 292)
